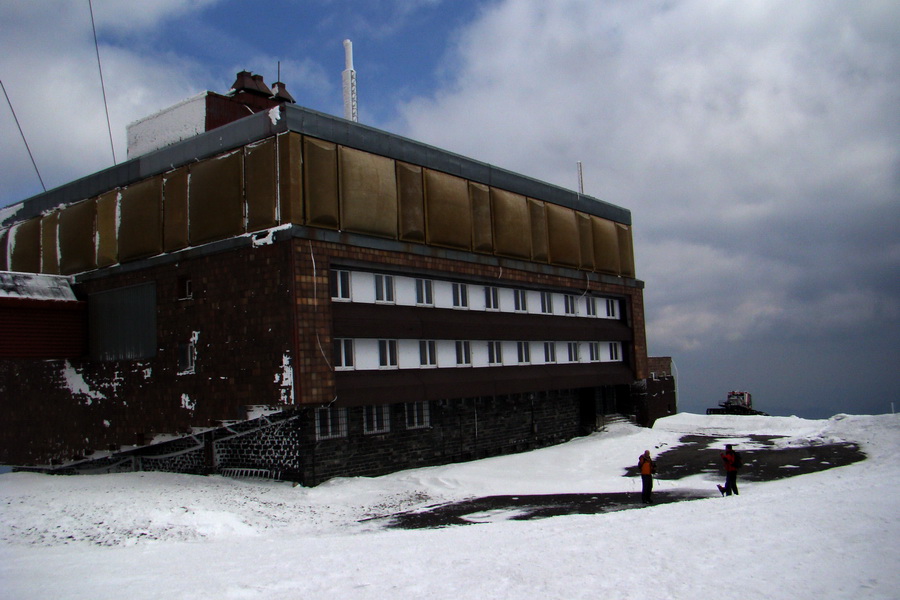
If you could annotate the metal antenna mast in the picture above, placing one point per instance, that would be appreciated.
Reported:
(23, 136)
(349, 77)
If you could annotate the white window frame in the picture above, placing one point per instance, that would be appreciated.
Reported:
(495, 353)
(342, 290)
(549, 352)
(460, 295)
(424, 292)
(331, 422)
(520, 301)
(428, 354)
(388, 357)
(418, 414)
(571, 304)
(612, 308)
(590, 306)
(384, 289)
(376, 418)
(463, 353)
(547, 303)
(615, 352)
(344, 359)
(491, 298)
(594, 351)
(572, 351)
(523, 352)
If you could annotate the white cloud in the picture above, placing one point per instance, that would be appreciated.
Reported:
(756, 143)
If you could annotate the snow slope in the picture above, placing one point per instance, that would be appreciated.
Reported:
(828, 535)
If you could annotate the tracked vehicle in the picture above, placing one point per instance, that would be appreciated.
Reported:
(736, 403)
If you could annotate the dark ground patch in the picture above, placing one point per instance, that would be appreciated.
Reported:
(696, 455)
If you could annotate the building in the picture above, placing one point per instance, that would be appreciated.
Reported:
(293, 294)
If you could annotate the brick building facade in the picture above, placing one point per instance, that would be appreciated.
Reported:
(301, 296)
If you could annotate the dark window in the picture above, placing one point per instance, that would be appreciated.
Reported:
(122, 323)
(417, 415)
(376, 419)
(340, 285)
(185, 288)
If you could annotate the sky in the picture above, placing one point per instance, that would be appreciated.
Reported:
(756, 143)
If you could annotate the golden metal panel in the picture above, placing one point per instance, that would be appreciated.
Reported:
(586, 240)
(512, 224)
(260, 178)
(411, 198)
(216, 198)
(290, 178)
(50, 244)
(175, 210)
(320, 183)
(25, 246)
(368, 193)
(107, 218)
(540, 244)
(482, 236)
(140, 220)
(448, 212)
(626, 250)
(77, 242)
(565, 247)
(606, 246)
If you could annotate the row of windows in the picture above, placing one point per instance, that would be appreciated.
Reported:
(359, 286)
(331, 422)
(366, 353)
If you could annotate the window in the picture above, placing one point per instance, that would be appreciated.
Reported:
(571, 304)
(424, 292)
(614, 351)
(387, 354)
(549, 352)
(590, 306)
(418, 415)
(524, 351)
(572, 350)
(460, 295)
(495, 353)
(612, 308)
(185, 288)
(547, 303)
(491, 298)
(384, 288)
(463, 354)
(521, 300)
(340, 285)
(331, 422)
(343, 353)
(376, 419)
(427, 353)
(187, 357)
(594, 351)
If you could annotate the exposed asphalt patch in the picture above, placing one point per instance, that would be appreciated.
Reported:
(695, 456)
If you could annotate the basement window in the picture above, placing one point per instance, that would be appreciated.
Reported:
(185, 288)
(376, 419)
(331, 423)
(187, 357)
(418, 415)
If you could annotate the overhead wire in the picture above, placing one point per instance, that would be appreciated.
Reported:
(30, 155)
(102, 86)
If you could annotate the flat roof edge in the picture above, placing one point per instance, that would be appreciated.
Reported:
(315, 124)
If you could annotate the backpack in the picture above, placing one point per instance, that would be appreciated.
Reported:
(738, 463)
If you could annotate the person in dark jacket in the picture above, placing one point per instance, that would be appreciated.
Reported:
(647, 468)
(729, 459)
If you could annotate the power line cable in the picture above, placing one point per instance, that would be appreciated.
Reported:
(102, 86)
(23, 136)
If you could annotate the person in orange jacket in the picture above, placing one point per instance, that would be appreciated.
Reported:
(647, 468)
(731, 461)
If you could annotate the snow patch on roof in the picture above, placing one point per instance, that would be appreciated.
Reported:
(36, 286)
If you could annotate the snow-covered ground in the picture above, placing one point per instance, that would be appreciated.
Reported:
(828, 535)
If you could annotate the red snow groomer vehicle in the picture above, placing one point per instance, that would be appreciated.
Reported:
(736, 403)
